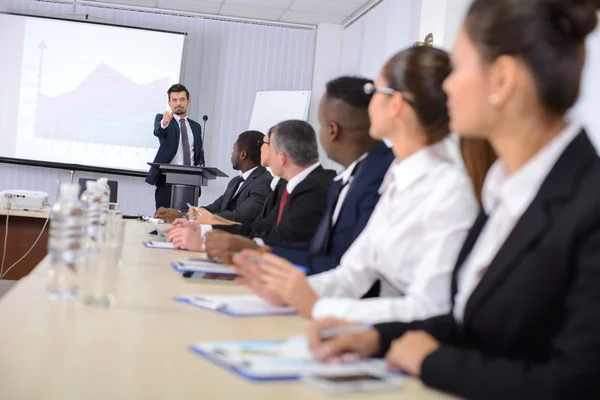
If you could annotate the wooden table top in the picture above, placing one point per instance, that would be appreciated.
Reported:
(138, 349)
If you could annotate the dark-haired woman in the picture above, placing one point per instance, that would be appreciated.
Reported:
(525, 319)
(415, 232)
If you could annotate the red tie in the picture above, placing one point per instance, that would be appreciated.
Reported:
(284, 198)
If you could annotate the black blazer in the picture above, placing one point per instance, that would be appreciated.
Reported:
(361, 199)
(301, 215)
(532, 326)
(249, 200)
(169, 143)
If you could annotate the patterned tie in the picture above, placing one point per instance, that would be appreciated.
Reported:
(185, 141)
(284, 198)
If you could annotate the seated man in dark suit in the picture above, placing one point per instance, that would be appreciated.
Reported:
(344, 134)
(301, 206)
(245, 194)
(175, 148)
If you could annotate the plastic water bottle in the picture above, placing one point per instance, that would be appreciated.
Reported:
(92, 204)
(65, 243)
(104, 191)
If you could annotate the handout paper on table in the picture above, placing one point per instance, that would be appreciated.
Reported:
(279, 360)
(159, 245)
(235, 305)
(204, 267)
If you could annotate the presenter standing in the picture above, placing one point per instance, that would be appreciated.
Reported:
(180, 141)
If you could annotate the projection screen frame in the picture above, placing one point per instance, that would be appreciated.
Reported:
(80, 167)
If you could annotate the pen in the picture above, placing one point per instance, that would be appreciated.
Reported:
(191, 208)
(343, 330)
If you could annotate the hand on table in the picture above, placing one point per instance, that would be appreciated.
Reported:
(200, 216)
(186, 238)
(346, 347)
(409, 351)
(184, 223)
(221, 246)
(167, 214)
(283, 281)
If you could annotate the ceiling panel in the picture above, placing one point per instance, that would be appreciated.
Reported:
(274, 4)
(300, 17)
(311, 12)
(325, 7)
(209, 7)
(251, 12)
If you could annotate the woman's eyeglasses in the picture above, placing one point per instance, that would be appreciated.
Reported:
(371, 89)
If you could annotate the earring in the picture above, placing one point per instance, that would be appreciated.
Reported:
(493, 99)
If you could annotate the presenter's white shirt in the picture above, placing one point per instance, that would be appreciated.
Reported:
(410, 244)
(178, 159)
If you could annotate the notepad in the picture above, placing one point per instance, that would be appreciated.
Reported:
(159, 245)
(203, 267)
(235, 305)
(269, 360)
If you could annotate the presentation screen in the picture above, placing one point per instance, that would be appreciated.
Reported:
(83, 93)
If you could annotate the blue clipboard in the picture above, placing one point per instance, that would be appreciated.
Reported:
(239, 371)
(147, 244)
(191, 270)
(230, 313)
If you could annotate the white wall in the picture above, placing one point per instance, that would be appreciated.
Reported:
(388, 28)
(225, 64)
(588, 107)
(328, 54)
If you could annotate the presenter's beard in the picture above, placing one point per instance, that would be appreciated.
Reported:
(179, 111)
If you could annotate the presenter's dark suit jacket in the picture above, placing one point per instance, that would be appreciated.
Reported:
(360, 201)
(301, 215)
(247, 203)
(531, 328)
(169, 139)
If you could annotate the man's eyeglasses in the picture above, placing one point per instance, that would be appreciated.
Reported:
(371, 89)
(262, 141)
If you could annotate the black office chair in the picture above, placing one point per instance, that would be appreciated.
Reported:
(113, 185)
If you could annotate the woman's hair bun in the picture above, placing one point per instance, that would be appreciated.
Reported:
(575, 19)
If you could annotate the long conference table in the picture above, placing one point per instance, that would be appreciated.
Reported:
(139, 349)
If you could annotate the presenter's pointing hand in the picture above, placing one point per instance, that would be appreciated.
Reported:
(167, 117)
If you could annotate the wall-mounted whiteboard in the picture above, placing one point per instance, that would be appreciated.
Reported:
(271, 108)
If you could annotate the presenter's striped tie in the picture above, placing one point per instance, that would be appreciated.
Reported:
(185, 141)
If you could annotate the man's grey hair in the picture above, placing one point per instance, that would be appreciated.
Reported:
(298, 140)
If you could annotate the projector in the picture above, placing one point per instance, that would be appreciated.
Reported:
(23, 200)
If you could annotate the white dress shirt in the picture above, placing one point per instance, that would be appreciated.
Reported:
(505, 198)
(411, 243)
(274, 183)
(178, 159)
(204, 229)
(296, 180)
(346, 176)
(245, 176)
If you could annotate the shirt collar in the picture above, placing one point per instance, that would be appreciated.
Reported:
(346, 174)
(177, 117)
(274, 182)
(518, 190)
(247, 174)
(296, 180)
(403, 173)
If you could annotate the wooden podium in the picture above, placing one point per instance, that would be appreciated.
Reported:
(186, 181)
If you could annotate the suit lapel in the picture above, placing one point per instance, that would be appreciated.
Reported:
(558, 185)
(472, 236)
(231, 188)
(248, 181)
